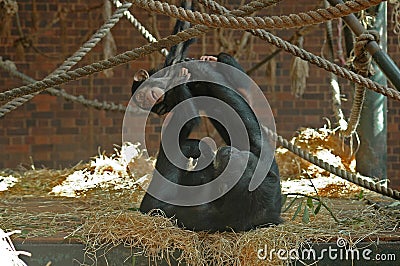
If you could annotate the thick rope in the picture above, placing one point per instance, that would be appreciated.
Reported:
(334, 83)
(245, 23)
(108, 106)
(103, 64)
(72, 60)
(142, 30)
(183, 36)
(241, 11)
(127, 56)
(358, 180)
(94, 103)
(362, 64)
(86, 47)
(315, 60)
(327, 65)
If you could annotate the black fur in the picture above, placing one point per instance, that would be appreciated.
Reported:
(178, 52)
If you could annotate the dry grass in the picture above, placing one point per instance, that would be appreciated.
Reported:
(324, 144)
(158, 237)
(106, 217)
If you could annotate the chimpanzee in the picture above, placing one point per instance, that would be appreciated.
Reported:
(238, 209)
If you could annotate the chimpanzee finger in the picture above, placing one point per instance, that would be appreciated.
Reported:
(208, 58)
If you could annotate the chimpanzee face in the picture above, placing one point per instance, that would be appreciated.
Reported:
(146, 96)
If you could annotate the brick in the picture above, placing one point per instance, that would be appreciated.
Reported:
(41, 148)
(17, 148)
(43, 114)
(67, 130)
(40, 139)
(30, 122)
(17, 131)
(44, 122)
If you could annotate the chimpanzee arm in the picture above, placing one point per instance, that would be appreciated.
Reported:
(175, 96)
(166, 169)
(229, 60)
(178, 51)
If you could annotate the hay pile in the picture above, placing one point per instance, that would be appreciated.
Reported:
(104, 214)
(300, 176)
(109, 172)
(157, 237)
(324, 144)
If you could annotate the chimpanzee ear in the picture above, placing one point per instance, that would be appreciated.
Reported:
(141, 75)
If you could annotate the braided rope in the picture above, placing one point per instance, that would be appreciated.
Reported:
(71, 61)
(249, 8)
(142, 30)
(108, 106)
(89, 45)
(315, 60)
(327, 65)
(358, 180)
(242, 10)
(108, 63)
(103, 64)
(183, 36)
(362, 63)
(273, 22)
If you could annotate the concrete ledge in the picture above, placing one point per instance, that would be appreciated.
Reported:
(365, 253)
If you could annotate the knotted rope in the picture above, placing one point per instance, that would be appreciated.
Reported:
(362, 65)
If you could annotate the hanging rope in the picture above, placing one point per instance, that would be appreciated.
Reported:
(313, 59)
(334, 83)
(142, 30)
(362, 65)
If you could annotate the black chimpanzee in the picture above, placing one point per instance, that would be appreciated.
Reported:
(239, 209)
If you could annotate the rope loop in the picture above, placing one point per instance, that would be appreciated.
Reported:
(361, 63)
(362, 59)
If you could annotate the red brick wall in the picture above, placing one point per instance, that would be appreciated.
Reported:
(55, 133)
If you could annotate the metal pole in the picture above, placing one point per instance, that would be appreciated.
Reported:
(385, 63)
(372, 130)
